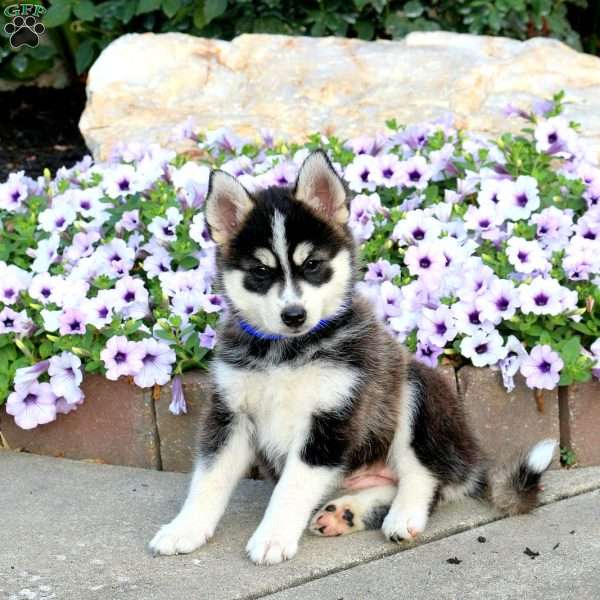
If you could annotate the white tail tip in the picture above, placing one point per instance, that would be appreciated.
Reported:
(540, 456)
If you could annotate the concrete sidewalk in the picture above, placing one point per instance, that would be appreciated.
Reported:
(73, 530)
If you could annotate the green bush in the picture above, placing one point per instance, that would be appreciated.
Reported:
(80, 29)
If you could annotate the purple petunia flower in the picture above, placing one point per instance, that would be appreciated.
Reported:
(158, 262)
(131, 298)
(553, 227)
(130, 221)
(582, 258)
(27, 375)
(57, 218)
(425, 260)
(519, 199)
(387, 171)
(367, 145)
(12, 321)
(191, 182)
(542, 368)
(199, 231)
(381, 270)
(208, 338)
(82, 246)
(555, 135)
(362, 210)
(543, 296)
(428, 354)
(526, 256)
(177, 405)
(100, 309)
(390, 300)
(187, 304)
(45, 288)
(510, 365)
(437, 327)
(120, 181)
(212, 303)
(592, 194)
(122, 357)
(157, 360)
(184, 130)
(360, 173)
(165, 228)
(499, 302)
(482, 219)
(66, 377)
(415, 172)
(72, 321)
(417, 227)
(13, 281)
(483, 347)
(414, 137)
(32, 405)
(14, 192)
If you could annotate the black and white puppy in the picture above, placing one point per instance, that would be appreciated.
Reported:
(310, 384)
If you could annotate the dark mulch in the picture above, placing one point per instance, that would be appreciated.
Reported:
(39, 129)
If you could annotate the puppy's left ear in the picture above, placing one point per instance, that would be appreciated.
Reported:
(320, 187)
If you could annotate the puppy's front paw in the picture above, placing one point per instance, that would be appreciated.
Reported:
(180, 536)
(404, 525)
(270, 548)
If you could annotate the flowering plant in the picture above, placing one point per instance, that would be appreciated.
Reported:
(476, 251)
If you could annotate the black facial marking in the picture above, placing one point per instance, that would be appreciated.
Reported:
(301, 225)
(259, 278)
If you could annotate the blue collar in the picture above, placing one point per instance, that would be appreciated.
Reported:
(274, 337)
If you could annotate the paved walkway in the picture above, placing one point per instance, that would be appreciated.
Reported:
(74, 530)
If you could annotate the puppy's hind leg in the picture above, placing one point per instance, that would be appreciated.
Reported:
(365, 509)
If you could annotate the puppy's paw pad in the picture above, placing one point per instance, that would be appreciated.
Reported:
(175, 538)
(265, 550)
(333, 520)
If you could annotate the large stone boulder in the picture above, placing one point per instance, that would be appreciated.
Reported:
(142, 85)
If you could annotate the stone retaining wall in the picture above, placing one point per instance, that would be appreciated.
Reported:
(122, 424)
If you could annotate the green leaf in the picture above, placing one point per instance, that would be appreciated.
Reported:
(170, 7)
(85, 10)
(146, 6)
(84, 55)
(571, 350)
(413, 9)
(57, 14)
(214, 9)
(365, 30)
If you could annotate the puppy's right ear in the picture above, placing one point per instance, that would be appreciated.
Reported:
(227, 205)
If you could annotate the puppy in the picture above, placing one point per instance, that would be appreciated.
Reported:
(309, 383)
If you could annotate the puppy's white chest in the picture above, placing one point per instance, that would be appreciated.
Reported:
(281, 400)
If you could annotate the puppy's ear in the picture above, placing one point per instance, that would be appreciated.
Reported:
(319, 186)
(227, 205)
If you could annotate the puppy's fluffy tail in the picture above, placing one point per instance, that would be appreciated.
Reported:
(514, 488)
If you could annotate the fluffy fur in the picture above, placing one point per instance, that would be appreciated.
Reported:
(316, 390)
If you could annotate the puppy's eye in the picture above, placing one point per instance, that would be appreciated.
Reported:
(312, 265)
(261, 272)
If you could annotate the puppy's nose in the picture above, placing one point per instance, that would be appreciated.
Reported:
(293, 315)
